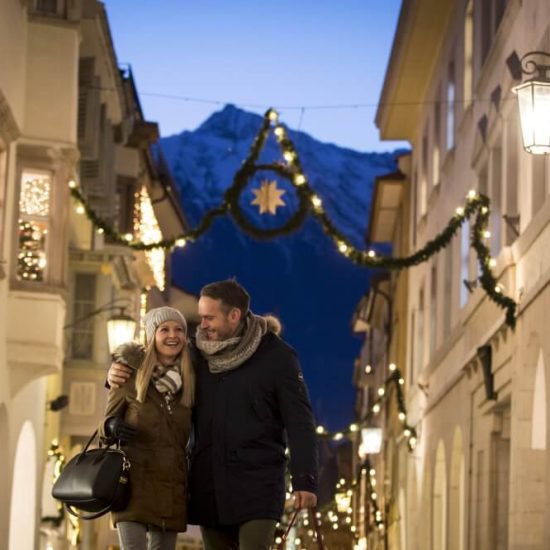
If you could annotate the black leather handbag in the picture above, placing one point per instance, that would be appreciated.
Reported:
(94, 482)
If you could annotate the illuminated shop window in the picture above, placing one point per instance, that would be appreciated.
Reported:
(34, 214)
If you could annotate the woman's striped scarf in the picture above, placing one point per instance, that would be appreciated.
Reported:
(167, 378)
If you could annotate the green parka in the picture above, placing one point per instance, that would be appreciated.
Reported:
(158, 472)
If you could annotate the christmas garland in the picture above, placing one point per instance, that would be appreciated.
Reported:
(309, 202)
(56, 455)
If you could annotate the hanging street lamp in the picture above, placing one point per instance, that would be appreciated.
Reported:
(534, 102)
(371, 442)
(121, 328)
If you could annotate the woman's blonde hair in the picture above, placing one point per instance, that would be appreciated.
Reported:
(187, 372)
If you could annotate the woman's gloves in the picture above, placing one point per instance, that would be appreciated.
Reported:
(116, 427)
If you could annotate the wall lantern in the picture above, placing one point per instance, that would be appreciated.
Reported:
(534, 103)
(371, 442)
(121, 328)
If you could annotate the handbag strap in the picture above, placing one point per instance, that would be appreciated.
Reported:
(313, 516)
(312, 513)
(85, 450)
(95, 515)
(86, 447)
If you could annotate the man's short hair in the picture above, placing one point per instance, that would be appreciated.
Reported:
(230, 293)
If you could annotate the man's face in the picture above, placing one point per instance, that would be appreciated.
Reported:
(217, 324)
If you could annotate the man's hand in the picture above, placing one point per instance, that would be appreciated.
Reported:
(304, 499)
(118, 374)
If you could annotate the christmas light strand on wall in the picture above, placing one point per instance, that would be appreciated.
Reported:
(55, 454)
(337, 514)
(290, 168)
(396, 380)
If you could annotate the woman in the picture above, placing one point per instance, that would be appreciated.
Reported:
(151, 417)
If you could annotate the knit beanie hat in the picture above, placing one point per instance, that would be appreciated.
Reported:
(155, 317)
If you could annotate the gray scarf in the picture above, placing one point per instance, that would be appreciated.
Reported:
(225, 355)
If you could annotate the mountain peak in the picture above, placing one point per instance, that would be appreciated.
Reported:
(232, 123)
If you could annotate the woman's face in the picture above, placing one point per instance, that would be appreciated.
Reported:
(169, 341)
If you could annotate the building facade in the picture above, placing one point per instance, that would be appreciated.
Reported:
(70, 117)
(476, 389)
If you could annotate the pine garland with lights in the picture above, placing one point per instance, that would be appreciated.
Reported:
(477, 205)
(55, 454)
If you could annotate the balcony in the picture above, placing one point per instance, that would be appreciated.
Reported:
(34, 336)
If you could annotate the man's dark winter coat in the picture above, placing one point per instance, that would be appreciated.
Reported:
(238, 459)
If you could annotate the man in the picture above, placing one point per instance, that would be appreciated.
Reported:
(251, 401)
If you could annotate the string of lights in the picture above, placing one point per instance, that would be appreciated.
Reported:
(338, 513)
(477, 205)
(383, 392)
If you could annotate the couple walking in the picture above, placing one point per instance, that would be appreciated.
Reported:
(231, 402)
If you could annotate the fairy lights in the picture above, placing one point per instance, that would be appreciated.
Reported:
(148, 231)
(34, 211)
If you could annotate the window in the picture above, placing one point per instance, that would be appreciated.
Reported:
(47, 7)
(451, 106)
(414, 206)
(491, 14)
(538, 182)
(424, 175)
(468, 53)
(436, 157)
(464, 262)
(448, 289)
(34, 221)
(419, 362)
(3, 187)
(496, 201)
(512, 210)
(83, 322)
(433, 309)
(412, 369)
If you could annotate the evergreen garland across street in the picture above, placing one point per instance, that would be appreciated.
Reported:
(477, 206)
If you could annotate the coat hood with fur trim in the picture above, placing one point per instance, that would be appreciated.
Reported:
(130, 354)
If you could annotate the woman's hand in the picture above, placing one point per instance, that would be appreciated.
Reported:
(116, 427)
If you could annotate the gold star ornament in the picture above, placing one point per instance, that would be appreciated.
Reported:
(268, 197)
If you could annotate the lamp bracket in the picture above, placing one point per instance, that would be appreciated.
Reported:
(531, 65)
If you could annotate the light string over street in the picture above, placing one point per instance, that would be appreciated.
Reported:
(290, 169)
(396, 380)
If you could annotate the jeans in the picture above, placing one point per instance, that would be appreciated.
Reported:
(136, 536)
(257, 534)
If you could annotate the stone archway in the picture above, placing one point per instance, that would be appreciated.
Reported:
(4, 479)
(439, 501)
(22, 526)
(457, 493)
(538, 423)
(424, 518)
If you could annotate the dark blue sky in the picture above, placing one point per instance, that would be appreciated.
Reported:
(249, 53)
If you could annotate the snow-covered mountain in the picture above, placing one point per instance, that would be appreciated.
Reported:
(301, 277)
